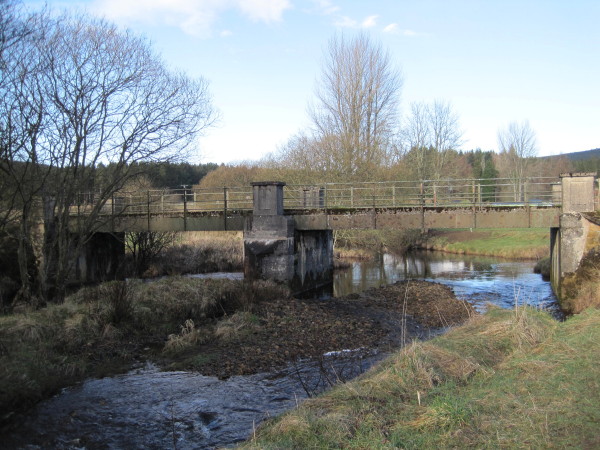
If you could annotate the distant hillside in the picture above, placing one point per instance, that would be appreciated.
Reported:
(579, 156)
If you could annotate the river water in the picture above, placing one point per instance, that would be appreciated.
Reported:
(150, 409)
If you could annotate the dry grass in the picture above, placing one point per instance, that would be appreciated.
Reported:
(99, 329)
(236, 326)
(506, 379)
(200, 252)
(188, 337)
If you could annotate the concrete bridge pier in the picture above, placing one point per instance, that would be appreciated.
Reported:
(100, 258)
(275, 249)
(578, 233)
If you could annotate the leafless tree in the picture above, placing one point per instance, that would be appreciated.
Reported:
(104, 97)
(356, 111)
(417, 133)
(517, 144)
(431, 132)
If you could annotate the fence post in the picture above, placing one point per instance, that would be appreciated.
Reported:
(394, 195)
(148, 205)
(184, 209)
(352, 196)
(225, 208)
(422, 195)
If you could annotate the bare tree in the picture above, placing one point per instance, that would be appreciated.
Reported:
(431, 132)
(445, 134)
(357, 100)
(417, 133)
(105, 98)
(517, 144)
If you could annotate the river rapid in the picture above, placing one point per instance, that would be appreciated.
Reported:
(150, 409)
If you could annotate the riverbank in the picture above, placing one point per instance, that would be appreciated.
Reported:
(525, 243)
(505, 379)
(216, 327)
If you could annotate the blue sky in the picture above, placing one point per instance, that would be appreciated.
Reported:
(494, 61)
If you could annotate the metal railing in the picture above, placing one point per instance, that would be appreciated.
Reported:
(427, 193)
(499, 192)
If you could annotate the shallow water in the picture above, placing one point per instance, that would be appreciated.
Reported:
(477, 279)
(149, 409)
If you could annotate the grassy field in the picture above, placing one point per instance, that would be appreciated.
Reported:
(508, 379)
(524, 243)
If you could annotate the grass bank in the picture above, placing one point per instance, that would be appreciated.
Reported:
(506, 379)
(524, 243)
(103, 329)
(362, 244)
(200, 252)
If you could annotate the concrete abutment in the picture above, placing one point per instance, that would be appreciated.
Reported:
(577, 233)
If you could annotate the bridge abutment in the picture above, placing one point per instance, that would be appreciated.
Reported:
(576, 235)
(275, 249)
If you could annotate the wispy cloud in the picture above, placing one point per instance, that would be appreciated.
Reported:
(369, 22)
(325, 7)
(347, 22)
(393, 28)
(193, 17)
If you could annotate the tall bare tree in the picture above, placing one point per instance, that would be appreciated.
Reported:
(356, 110)
(517, 144)
(103, 97)
(431, 133)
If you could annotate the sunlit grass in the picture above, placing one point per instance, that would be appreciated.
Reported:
(527, 243)
(504, 380)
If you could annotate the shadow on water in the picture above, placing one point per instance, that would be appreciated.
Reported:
(150, 409)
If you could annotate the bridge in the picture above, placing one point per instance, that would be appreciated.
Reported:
(465, 203)
(288, 228)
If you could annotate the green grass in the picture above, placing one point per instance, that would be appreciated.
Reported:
(508, 379)
(526, 243)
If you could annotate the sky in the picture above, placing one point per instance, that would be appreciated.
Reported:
(495, 61)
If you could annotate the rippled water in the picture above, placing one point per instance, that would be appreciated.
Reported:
(149, 409)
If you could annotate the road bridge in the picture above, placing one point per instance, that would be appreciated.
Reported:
(288, 228)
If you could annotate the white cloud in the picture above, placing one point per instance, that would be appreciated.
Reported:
(369, 22)
(193, 17)
(263, 10)
(391, 28)
(345, 22)
(225, 33)
(326, 7)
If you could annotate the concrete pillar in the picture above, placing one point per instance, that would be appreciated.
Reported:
(275, 250)
(569, 243)
(269, 236)
(577, 192)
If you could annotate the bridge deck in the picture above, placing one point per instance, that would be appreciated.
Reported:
(488, 203)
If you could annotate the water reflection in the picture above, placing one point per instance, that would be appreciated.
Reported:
(481, 280)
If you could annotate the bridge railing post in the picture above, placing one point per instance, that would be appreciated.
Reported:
(148, 208)
(184, 209)
(225, 195)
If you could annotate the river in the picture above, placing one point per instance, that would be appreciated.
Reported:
(147, 408)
